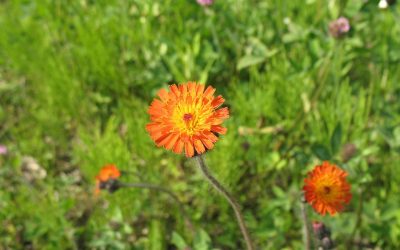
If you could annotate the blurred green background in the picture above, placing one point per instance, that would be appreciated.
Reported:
(76, 79)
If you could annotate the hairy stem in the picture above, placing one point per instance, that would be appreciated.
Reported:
(164, 190)
(358, 217)
(218, 186)
(307, 235)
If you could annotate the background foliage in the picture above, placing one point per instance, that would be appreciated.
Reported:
(76, 78)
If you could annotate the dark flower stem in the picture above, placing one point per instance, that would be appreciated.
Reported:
(164, 190)
(306, 225)
(211, 179)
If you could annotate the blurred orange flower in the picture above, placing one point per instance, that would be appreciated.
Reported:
(187, 117)
(107, 173)
(326, 189)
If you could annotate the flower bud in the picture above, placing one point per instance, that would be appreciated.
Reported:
(319, 229)
(348, 151)
(111, 185)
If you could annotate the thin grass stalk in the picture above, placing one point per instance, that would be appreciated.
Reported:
(306, 225)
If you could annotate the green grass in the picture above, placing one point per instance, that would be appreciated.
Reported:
(76, 79)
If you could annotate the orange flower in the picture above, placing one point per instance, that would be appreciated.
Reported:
(107, 173)
(326, 189)
(187, 117)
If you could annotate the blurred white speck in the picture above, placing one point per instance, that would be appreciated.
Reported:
(383, 4)
(286, 20)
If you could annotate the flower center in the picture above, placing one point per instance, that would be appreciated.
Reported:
(191, 118)
(188, 122)
(327, 189)
(187, 117)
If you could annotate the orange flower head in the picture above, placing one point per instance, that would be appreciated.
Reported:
(187, 117)
(326, 189)
(107, 173)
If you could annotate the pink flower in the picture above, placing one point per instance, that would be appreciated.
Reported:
(344, 25)
(339, 27)
(3, 150)
(205, 2)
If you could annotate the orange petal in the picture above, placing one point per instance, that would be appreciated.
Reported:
(192, 89)
(166, 140)
(214, 121)
(156, 104)
(183, 90)
(209, 92)
(174, 89)
(210, 136)
(199, 146)
(219, 129)
(172, 141)
(200, 89)
(217, 101)
(162, 140)
(156, 135)
(189, 150)
(153, 127)
(156, 108)
(163, 94)
(208, 143)
(178, 146)
(222, 113)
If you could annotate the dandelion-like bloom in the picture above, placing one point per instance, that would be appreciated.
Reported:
(205, 2)
(187, 117)
(326, 189)
(106, 177)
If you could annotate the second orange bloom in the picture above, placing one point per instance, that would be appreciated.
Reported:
(327, 189)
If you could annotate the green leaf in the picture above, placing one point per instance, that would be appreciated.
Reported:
(202, 241)
(321, 151)
(279, 192)
(178, 241)
(248, 61)
(336, 138)
(333, 9)
(196, 44)
(157, 235)
(353, 7)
